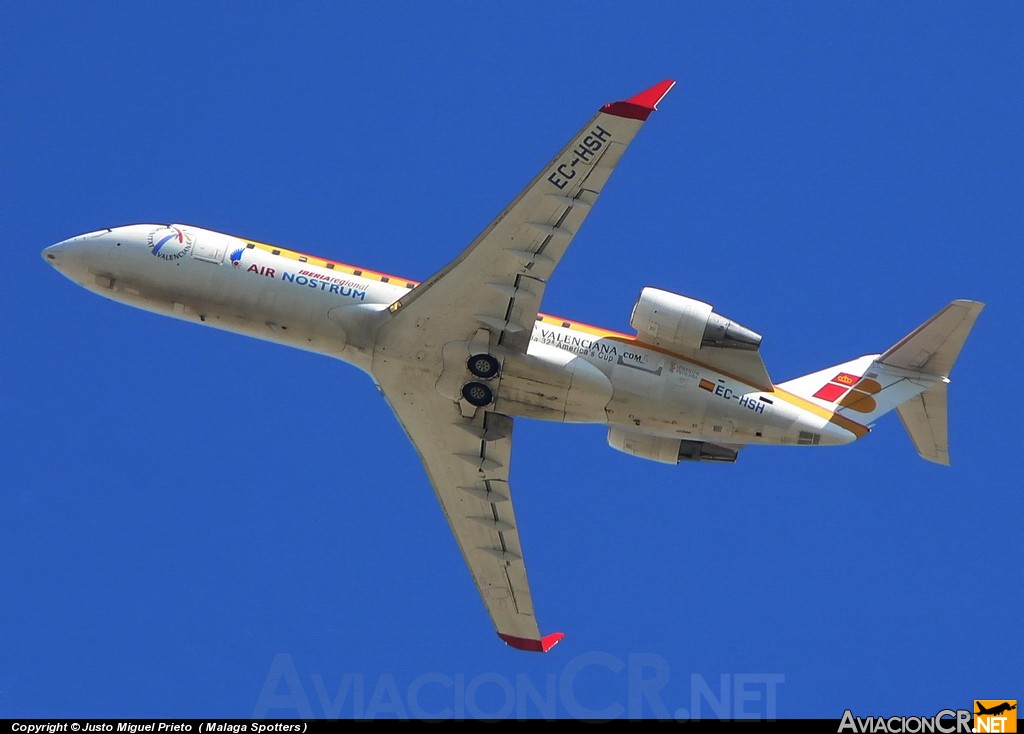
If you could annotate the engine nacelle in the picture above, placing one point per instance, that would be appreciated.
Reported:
(676, 322)
(655, 448)
(667, 450)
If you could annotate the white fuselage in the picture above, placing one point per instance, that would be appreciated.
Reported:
(571, 372)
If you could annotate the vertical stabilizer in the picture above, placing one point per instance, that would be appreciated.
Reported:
(911, 378)
(931, 349)
(924, 417)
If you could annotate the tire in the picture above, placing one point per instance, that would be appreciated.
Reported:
(477, 393)
(483, 366)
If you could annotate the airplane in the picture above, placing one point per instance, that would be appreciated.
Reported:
(461, 355)
(996, 710)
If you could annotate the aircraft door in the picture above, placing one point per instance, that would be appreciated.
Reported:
(209, 248)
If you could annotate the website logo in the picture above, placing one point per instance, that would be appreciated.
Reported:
(995, 715)
(947, 721)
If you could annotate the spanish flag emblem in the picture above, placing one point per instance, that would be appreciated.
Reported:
(836, 387)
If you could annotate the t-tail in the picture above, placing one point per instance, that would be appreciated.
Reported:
(910, 377)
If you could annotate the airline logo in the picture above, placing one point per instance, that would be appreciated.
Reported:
(836, 387)
(851, 392)
(171, 243)
(995, 715)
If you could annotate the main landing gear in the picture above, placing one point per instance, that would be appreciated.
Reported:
(478, 394)
(485, 367)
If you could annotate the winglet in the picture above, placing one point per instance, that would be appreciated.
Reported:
(640, 106)
(544, 644)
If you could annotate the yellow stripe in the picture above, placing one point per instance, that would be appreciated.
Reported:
(840, 420)
(319, 262)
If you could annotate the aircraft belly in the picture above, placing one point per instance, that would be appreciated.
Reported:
(551, 384)
(219, 296)
(532, 397)
(662, 395)
(650, 398)
(656, 413)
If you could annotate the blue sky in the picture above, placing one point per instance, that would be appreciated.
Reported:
(195, 523)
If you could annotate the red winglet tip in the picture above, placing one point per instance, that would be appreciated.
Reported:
(640, 106)
(649, 98)
(549, 641)
(525, 643)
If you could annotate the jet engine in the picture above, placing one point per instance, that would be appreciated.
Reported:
(667, 450)
(679, 323)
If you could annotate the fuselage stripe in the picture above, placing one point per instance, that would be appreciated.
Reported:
(842, 421)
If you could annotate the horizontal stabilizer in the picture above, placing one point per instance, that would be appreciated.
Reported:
(924, 417)
(934, 346)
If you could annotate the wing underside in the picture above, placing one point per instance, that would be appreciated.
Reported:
(499, 280)
(467, 460)
(486, 300)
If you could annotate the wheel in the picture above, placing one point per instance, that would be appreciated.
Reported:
(483, 365)
(477, 394)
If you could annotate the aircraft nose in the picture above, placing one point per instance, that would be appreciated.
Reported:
(73, 253)
(55, 253)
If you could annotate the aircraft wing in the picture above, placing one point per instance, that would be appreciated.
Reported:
(467, 460)
(487, 300)
(498, 281)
